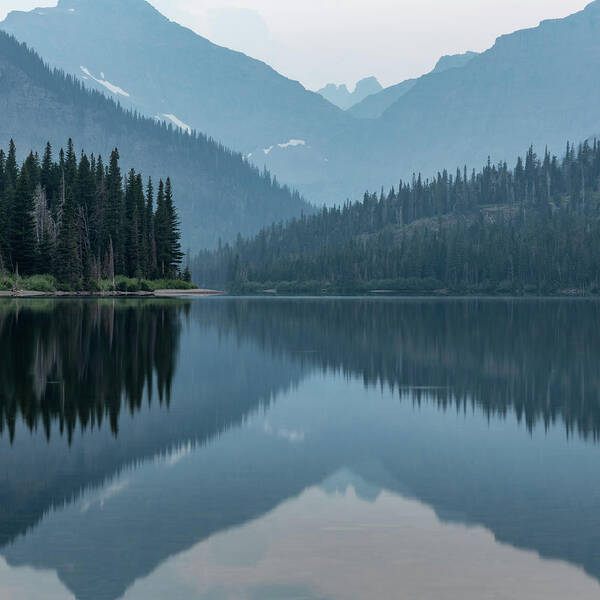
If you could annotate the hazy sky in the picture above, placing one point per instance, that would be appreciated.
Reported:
(341, 41)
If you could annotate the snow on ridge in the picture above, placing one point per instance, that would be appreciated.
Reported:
(176, 122)
(288, 144)
(115, 89)
(292, 143)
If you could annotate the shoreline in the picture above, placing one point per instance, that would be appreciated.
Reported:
(111, 294)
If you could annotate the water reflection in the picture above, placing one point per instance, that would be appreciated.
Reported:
(81, 362)
(282, 415)
(537, 358)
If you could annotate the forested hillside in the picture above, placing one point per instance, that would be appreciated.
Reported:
(531, 229)
(534, 86)
(133, 53)
(75, 220)
(219, 194)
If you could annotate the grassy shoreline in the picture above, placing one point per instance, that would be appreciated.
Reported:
(46, 285)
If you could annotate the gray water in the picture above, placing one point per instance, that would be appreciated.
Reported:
(299, 449)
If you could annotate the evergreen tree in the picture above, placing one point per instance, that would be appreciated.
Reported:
(161, 232)
(69, 268)
(22, 237)
(131, 227)
(151, 240)
(114, 209)
(174, 253)
(11, 168)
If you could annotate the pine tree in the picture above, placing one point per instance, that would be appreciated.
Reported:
(130, 226)
(70, 165)
(11, 168)
(114, 209)
(22, 227)
(151, 241)
(3, 210)
(69, 267)
(175, 255)
(161, 232)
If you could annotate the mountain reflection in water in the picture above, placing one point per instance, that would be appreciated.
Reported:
(154, 428)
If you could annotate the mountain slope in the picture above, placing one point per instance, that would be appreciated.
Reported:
(535, 86)
(534, 228)
(375, 105)
(341, 97)
(453, 61)
(217, 193)
(129, 50)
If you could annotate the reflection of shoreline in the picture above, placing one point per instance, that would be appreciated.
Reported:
(241, 359)
(462, 469)
(81, 362)
(497, 354)
(52, 452)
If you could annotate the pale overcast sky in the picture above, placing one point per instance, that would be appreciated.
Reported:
(341, 41)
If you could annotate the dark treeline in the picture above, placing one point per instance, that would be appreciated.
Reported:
(79, 365)
(535, 228)
(82, 221)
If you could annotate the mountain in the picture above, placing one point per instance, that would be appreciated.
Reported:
(129, 50)
(497, 230)
(341, 97)
(375, 105)
(534, 86)
(218, 194)
(453, 61)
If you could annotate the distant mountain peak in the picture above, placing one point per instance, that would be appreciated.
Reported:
(344, 99)
(453, 61)
(122, 6)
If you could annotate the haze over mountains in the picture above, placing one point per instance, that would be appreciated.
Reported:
(131, 51)
(534, 86)
(218, 194)
(375, 105)
(344, 99)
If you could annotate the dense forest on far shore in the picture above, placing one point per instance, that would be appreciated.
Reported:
(81, 222)
(532, 229)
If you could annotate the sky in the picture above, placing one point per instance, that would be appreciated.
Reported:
(342, 41)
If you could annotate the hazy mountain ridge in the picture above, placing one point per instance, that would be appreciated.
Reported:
(217, 193)
(168, 70)
(375, 105)
(344, 99)
(532, 87)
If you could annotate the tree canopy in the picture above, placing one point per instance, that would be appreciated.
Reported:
(82, 221)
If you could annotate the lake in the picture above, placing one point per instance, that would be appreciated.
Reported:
(264, 449)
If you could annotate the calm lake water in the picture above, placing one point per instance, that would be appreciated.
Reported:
(264, 449)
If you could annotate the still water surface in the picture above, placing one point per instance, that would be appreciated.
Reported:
(299, 449)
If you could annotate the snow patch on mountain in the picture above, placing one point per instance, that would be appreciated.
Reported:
(288, 144)
(111, 87)
(177, 122)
